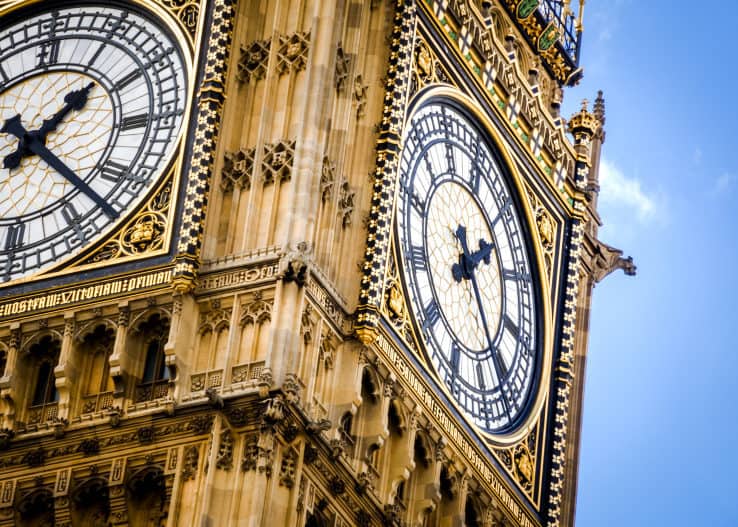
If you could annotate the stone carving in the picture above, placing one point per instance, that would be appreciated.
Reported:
(238, 169)
(346, 204)
(224, 459)
(343, 68)
(360, 95)
(327, 179)
(277, 162)
(292, 54)
(216, 320)
(189, 465)
(254, 60)
(288, 468)
(255, 312)
(250, 453)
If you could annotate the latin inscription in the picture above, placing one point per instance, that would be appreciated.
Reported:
(92, 292)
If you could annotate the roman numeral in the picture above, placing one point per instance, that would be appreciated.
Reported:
(72, 217)
(416, 256)
(450, 159)
(455, 356)
(134, 121)
(509, 274)
(432, 314)
(14, 239)
(480, 377)
(113, 171)
(503, 211)
(475, 177)
(417, 203)
(511, 327)
(49, 54)
(128, 79)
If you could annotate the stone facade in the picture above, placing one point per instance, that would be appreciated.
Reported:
(261, 373)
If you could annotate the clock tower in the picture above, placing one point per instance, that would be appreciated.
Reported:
(294, 262)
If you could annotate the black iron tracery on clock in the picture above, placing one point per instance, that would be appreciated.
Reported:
(467, 271)
(92, 99)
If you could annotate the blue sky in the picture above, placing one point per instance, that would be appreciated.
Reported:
(660, 407)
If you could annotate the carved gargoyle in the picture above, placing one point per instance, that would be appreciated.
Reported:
(608, 259)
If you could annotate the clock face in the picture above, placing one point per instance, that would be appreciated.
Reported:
(466, 267)
(92, 99)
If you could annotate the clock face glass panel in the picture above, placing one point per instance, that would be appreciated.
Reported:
(92, 99)
(466, 266)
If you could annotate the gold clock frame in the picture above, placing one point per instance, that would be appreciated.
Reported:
(167, 15)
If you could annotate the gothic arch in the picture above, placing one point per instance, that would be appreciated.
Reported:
(90, 326)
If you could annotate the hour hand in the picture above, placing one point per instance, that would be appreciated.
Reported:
(74, 100)
(14, 127)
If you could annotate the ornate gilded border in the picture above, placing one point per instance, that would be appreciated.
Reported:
(208, 107)
(149, 230)
(379, 226)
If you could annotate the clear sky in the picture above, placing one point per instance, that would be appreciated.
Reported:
(660, 408)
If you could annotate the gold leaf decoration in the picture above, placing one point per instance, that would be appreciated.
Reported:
(143, 234)
(186, 12)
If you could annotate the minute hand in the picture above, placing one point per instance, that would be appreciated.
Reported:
(38, 148)
(495, 357)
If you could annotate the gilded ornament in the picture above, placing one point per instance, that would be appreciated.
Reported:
(526, 8)
(545, 228)
(524, 465)
(425, 61)
(548, 37)
(396, 304)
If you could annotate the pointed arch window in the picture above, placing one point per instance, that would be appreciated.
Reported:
(155, 375)
(98, 389)
(43, 395)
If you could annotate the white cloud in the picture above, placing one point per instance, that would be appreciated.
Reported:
(620, 191)
(723, 184)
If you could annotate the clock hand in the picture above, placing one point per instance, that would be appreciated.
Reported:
(75, 100)
(499, 369)
(33, 144)
(465, 269)
(37, 147)
(468, 262)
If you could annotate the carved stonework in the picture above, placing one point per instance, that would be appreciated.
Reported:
(520, 461)
(255, 312)
(254, 61)
(238, 169)
(327, 179)
(360, 95)
(224, 459)
(307, 324)
(288, 468)
(189, 465)
(343, 68)
(293, 52)
(345, 204)
(277, 162)
(250, 453)
(216, 320)
(547, 230)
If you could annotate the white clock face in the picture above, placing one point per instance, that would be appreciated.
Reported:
(92, 99)
(466, 267)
